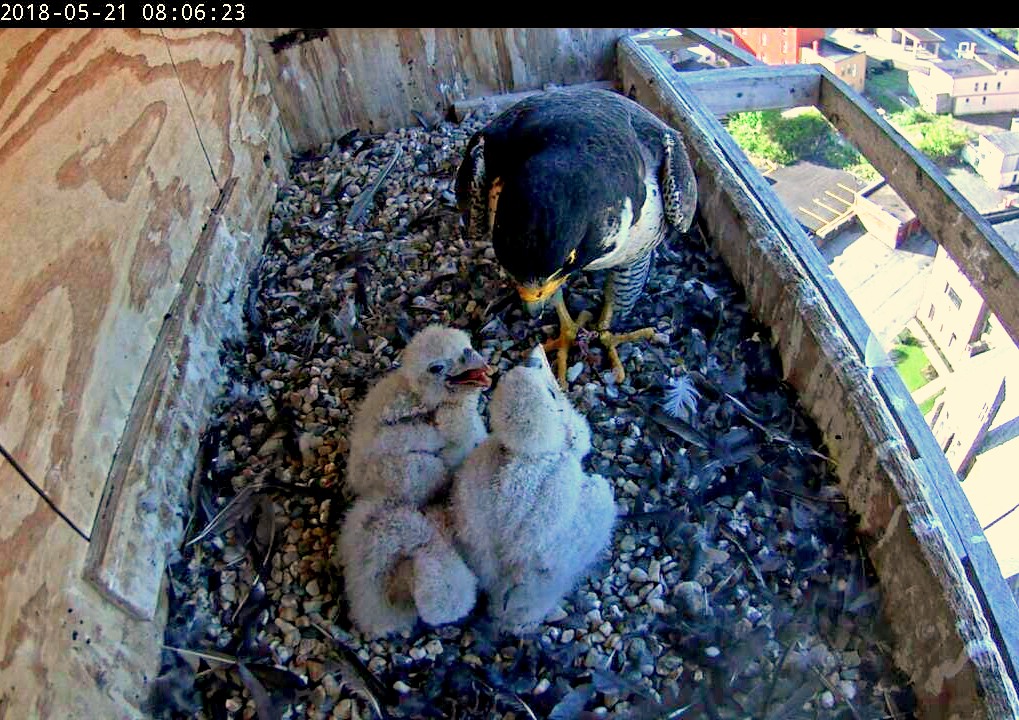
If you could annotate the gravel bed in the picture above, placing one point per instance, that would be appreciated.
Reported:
(736, 587)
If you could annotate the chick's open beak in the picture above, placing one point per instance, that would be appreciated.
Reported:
(471, 370)
(535, 297)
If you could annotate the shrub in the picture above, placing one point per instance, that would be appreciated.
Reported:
(906, 338)
(781, 139)
(910, 116)
(941, 140)
(934, 135)
(1007, 36)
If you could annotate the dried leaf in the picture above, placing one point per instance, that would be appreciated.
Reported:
(356, 676)
(573, 704)
(264, 705)
(240, 506)
(209, 656)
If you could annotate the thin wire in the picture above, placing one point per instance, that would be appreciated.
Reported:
(191, 112)
(39, 491)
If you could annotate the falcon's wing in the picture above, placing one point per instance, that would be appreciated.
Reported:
(678, 183)
(471, 183)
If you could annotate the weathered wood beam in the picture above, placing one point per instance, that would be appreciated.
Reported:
(739, 89)
(668, 42)
(720, 47)
(942, 636)
(989, 263)
(498, 103)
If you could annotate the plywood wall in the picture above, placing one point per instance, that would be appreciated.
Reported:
(375, 79)
(137, 170)
(115, 146)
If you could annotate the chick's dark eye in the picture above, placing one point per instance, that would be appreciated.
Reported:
(436, 368)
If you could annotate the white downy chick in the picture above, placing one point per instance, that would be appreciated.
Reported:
(528, 519)
(398, 566)
(420, 421)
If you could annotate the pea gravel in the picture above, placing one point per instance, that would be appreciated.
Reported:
(735, 587)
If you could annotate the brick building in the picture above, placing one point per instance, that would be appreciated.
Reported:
(774, 46)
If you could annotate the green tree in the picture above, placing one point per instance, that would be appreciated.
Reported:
(934, 135)
(785, 139)
(1008, 36)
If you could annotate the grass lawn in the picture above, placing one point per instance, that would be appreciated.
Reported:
(910, 361)
(884, 90)
(927, 405)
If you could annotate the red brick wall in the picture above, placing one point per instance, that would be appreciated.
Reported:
(776, 46)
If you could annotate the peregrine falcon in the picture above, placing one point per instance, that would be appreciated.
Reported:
(573, 180)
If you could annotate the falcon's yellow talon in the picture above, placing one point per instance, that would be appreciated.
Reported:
(568, 331)
(610, 340)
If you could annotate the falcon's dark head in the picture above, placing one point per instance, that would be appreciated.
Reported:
(544, 227)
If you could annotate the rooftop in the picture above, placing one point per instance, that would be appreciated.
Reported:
(963, 67)
(884, 196)
(834, 51)
(1006, 223)
(999, 60)
(922, 34)
(1007, 142)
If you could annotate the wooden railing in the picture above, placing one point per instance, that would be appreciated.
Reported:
(944, 593)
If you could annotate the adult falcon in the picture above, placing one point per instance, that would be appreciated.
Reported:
(573, 180)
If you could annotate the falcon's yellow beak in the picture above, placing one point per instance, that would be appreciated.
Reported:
(535, 297)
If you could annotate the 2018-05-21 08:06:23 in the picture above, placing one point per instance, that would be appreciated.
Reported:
(85, 12)
(199, 12)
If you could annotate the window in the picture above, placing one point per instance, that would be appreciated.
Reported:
(999, 85)
(983, 101)
(953, 296)
(727, 36)
(930, 315)
(764, 39)
(976, 87)
(985, 87)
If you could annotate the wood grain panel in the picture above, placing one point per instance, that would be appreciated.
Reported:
(65, 652)
(141, 516)
(105, 189)
(375, 79)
